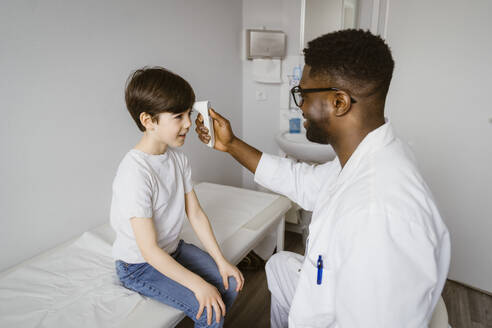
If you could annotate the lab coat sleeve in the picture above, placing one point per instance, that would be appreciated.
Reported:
(386, 273)
(300, 182)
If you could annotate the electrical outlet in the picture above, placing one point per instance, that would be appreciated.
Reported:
(261, 95)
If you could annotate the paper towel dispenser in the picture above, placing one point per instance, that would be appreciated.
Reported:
(265, 44)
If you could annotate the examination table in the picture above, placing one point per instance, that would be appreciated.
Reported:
(75, 284)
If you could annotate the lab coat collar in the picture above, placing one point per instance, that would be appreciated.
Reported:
(372, 142)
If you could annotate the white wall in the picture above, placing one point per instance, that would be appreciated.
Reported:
(261, 118)
(364, 14)
(439, 101)
(322, 16)
(64, 126)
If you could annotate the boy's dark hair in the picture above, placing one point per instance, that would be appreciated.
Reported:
(354, 57)
(156, 90)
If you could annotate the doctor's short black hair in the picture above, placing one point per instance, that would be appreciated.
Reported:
(156, 90)
(357, 59)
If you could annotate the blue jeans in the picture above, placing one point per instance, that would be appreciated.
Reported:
(146, 280)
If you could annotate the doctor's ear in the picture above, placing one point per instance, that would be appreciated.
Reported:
(147, 121)
(341, 103)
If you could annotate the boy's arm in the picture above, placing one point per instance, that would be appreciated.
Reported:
(145, 235)
(201, 225)
(207, 295)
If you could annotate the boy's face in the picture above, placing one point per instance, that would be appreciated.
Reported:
(172, 128)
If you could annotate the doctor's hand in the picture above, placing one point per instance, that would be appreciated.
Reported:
(227, 270)
(209, 299)
(222, 129)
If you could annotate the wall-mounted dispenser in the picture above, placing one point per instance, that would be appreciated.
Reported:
(265, 44)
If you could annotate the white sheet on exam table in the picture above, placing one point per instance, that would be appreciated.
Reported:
(75, 282)
(228, 208)
(72, 285)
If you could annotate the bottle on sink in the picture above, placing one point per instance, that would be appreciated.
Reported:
(294, 125)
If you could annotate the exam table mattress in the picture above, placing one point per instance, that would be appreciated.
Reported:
(75, 284)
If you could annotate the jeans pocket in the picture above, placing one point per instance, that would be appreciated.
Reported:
(177, 251)
(121, 269)
(137, 269)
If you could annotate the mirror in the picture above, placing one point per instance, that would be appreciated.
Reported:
(319, 17)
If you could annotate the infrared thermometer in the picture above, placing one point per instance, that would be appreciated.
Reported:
(202, 107)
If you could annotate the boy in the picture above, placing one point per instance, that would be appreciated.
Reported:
(152, 194)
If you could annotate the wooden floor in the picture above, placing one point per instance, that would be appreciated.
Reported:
(467, 308)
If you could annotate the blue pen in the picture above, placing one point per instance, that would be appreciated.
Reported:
(320, 269)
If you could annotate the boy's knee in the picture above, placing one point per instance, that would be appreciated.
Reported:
(230, 294)
(232, 284)
(202, 322)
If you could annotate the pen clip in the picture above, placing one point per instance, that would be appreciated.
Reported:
(320, 270)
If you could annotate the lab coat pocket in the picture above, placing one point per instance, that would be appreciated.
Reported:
(313, 304)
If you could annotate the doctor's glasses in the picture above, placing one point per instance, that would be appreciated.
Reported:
(297, 93)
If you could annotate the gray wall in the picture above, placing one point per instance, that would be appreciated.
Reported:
(64, 126)
(439, 101)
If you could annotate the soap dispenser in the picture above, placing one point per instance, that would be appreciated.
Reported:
(294, 122)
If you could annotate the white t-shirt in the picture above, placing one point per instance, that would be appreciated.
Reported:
(149, 186)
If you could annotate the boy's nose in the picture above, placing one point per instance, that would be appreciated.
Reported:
(187, 122)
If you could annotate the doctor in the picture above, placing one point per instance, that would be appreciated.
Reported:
(378, 251)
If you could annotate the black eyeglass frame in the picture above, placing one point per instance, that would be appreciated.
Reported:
(298, 89)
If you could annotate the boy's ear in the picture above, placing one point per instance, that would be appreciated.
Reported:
(146, 120)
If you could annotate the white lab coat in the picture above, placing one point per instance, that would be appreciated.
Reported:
(385, 248)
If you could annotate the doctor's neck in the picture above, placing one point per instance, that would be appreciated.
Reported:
(348, 138)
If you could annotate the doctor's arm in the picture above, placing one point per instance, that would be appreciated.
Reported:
(226, 141)
(298, 181)
(201, 225)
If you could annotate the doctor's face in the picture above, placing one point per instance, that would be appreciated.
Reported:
(314, 109)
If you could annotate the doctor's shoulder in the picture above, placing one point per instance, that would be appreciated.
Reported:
(404, 203)
(398, 185)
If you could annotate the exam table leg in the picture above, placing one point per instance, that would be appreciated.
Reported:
(281, 234)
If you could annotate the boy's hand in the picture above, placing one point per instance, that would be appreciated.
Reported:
(226, 270)
(209, 298)
(222, 130)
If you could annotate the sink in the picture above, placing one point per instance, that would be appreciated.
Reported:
(298, 146)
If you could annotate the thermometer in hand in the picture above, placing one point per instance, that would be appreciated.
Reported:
(202, 107)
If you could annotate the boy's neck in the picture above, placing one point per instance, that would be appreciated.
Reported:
(149, 145)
